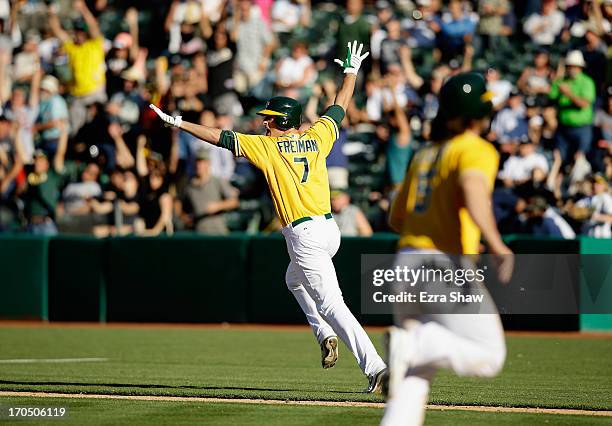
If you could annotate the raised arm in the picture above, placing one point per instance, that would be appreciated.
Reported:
(131, 17)
(205, 133)
(92, 22)
(35, 87)
(62, 146)
(56, 26)
(351, 66)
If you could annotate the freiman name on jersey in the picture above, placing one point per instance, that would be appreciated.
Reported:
(297, 146)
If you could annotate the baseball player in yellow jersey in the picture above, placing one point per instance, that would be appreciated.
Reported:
(293, 164)
(441, 210)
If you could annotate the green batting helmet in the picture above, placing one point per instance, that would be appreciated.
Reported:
(287, 112)
(465, 95)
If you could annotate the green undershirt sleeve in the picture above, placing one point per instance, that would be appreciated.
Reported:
(227, 141)
(336, 113)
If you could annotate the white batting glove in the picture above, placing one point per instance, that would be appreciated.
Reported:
(168, 120)
(354, 58)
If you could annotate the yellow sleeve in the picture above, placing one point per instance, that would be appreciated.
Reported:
(481, 157)
(325, 131)
(251, 147)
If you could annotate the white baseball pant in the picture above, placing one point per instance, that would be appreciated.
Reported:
(467, 344)
(311, 278)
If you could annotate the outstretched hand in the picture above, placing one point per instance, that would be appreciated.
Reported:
(168, 120)
(354, 58)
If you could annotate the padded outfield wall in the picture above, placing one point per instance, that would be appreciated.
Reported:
(191, 278)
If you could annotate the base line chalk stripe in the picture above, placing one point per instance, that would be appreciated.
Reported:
(50, 360)
(479, 408)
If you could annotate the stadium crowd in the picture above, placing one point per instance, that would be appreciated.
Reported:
(80, 151)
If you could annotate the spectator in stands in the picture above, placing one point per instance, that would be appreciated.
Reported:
(288, 15)
(396, 53)
(296, 73)
(125, 105)
(430, 100)
(24, 114)
(529, 165)
(11, 160)
(120, 204)
(510, 124)
(52, 115)
(123, 53)
(423, 25)
(27, 62)
(536, 223)
(457, 30)
(254, 44)
(498, 86)
(574, 95)
(544, 27)
(155, 203)
(207, 198)
(535, 81)
(392, 46)
(184, 20)
(384, 14)
(44, 183)
(350, 219)
(491, 26)
(77, 195)
(354, 26)
(220, 58)
(399, 149)
(599, 205)
(595, 53)
(86, 59)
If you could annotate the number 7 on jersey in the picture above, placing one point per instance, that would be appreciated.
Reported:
(306, 167)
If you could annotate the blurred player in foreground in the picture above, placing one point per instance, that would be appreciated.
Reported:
(293, 163)
(441, 209)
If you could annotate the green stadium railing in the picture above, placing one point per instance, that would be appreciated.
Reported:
(194, 278)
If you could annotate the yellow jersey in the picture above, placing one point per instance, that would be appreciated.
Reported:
(87, 65)
(293, 165)
(429, 211)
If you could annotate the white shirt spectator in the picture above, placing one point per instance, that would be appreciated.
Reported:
(376, 40)
(376, 102)
(602, 204)
(25, 117)
(76, 194)
(251, 41)
(292, 70)
(501, 91)
(519, 168)
(212, 9)
(285, 16)
(543, 29)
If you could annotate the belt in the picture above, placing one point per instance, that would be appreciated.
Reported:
(307, 218)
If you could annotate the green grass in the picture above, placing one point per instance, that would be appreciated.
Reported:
(540, 372)
(134, 413)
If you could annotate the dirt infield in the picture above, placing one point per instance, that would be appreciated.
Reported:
(262, 327)
(486, 409)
